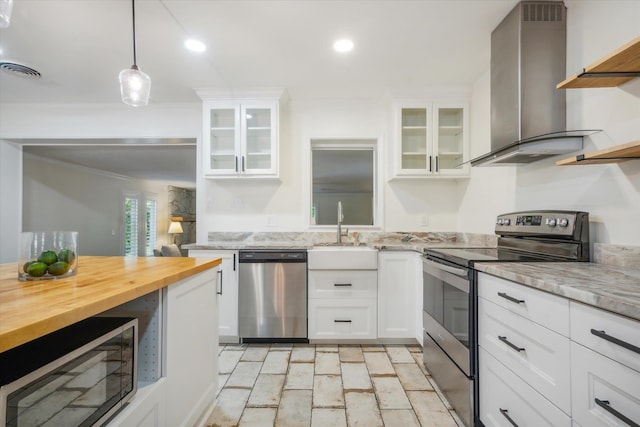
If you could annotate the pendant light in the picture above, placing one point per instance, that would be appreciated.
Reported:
(134, 84)
(5, 12)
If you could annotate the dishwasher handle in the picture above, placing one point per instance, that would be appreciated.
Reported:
(272, 256)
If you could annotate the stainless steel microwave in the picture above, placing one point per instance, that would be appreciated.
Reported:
(78, 376)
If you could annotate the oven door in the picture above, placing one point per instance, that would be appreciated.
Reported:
(447, 310)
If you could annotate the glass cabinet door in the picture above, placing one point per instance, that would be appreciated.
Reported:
(414, 142)
(449, 141)
(222, 156)
(258, 132)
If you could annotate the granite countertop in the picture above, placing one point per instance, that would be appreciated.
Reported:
(611, 288)
(403, 241)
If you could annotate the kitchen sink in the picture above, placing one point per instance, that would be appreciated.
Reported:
(342, 257)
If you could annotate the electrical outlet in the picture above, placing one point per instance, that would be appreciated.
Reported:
(271, 221)
(237, 202)
(424, 220)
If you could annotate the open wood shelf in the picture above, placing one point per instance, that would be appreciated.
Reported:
(620, 67)
(183, 218)
(617, 154)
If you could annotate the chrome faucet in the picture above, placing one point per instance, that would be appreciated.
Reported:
(340, 219)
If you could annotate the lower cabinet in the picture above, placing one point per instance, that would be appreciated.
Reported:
(342, 318)
(342, 304)
(507, 400)
(399, 305)
(228, 298)
(188, 352)
(532, 374)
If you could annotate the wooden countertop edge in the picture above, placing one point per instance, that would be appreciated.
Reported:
(13, 338)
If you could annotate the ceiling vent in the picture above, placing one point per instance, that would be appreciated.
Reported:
(19, 70)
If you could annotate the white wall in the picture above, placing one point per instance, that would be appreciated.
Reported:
(10, 200)
(57, 196)
(610, 193)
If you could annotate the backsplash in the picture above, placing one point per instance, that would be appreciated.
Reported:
(617, 255)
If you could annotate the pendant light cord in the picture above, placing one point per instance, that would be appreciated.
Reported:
(133, 13)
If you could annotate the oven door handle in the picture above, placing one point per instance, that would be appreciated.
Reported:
(453, 270)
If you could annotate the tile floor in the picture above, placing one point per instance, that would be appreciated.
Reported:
(327, 385)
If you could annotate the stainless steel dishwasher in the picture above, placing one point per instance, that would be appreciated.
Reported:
(272, 290)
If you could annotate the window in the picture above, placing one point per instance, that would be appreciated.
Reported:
(130, 226)
(140, 225)
(343, 171)
(151, 227)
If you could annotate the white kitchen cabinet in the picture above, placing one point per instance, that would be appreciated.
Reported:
(604, 392)
(399, 276)
(188, 353)
(228, 296)
(536, 354)
(599, 354)
(506, 398)
(431, 138)
(342, 295)
(240, 134)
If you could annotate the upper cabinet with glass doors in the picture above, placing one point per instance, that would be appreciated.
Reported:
(431, 139)
(240, 138)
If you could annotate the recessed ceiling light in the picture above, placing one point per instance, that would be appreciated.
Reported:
(343, 45)
(195, 45)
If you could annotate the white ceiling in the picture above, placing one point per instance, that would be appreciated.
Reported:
(80, 46)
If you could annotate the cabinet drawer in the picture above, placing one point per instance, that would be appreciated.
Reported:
(343, 284)
(594, 377)
(549, 310)
(613, 335)
(342, 319)
(536, 354)
(503, 394)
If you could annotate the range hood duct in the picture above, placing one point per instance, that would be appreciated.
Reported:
(528, 113)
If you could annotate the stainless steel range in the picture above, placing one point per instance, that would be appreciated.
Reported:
(450, 293)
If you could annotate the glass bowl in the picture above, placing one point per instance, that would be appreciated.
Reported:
(47, 255)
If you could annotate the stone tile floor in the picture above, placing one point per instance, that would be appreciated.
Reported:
(327, 385)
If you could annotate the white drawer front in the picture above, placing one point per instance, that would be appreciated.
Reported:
(541, 307)
(501, 390)
(594, 377)
(544, 362)
(607, 327)
(343, 284)
(342, 319)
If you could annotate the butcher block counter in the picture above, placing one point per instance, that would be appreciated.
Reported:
(29, 310)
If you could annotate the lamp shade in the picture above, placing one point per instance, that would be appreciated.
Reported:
(175, 228)
(135, 87)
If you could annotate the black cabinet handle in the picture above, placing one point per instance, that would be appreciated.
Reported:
(342, 284)
(242, 163)
(437, 165)
(342, 321)
(430, 167)
(236, 157)
(234, 262)
(505, 413)
(220, 273)
(513, 346)
(510, 298)
(604, 336)
(605, 404)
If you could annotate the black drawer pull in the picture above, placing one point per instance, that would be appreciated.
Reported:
(606, 406)
(342, 284)
(604, 336)
(342, 321)
(510, 298)
(505, 413)
(513, 346)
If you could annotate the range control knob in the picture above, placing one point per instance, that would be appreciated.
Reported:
(563, 222)
(506, 221)
(551, 222)
(499, 221)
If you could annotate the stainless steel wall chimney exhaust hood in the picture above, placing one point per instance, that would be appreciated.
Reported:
(528, 113)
